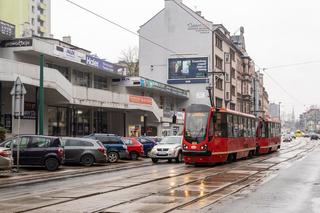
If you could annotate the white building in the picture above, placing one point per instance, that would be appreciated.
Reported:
(83, 93)
(195, 54)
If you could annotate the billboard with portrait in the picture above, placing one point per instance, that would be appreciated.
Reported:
(187, 70)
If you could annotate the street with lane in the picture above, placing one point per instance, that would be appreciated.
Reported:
(147, 187)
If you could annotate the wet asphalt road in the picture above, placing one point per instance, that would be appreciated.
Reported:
(295, 189)
(171, 187)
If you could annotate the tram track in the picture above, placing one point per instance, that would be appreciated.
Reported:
(217, 191)
(216, 170)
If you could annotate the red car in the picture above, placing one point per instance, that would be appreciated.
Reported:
(135, 148)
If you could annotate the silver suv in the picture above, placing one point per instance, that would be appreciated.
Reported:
(169, 148)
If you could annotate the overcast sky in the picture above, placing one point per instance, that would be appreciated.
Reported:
(277, 32)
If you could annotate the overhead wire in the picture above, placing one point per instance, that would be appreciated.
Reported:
(120, 26)
(172, 51)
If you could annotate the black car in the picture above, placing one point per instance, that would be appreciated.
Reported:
(115, 146)
(37, 150)
(314, 137)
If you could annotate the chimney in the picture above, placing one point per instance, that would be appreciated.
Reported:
(66, 39)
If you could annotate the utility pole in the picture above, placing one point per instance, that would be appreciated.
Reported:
(41, 96)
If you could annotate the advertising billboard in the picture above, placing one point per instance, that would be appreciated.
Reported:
(187, 70)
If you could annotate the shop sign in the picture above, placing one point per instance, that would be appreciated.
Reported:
(30, 111)
(7, 30)
(21, 42)
(99, 63)
(69, 54)
(140, 99)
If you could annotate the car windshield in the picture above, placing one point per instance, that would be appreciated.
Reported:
(171, 140)
(196, 123)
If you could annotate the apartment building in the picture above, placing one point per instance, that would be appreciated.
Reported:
(194, 54)
(30, 17)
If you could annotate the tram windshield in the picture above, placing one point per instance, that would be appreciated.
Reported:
(196, 123)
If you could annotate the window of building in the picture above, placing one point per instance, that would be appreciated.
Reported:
(100, 82)
(218, 62)
(82, 78)
(232, 106)
(32, 9)
(219, 83)
(232, 55)
(218, 102)
(233, 90)
(32, 21)
(218, 42)
(233, 73)
(63, 70)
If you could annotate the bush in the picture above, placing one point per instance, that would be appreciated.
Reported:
(3, 132)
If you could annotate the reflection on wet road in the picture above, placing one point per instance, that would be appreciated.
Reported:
(164, 187)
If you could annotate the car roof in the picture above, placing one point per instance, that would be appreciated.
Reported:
(79, 139)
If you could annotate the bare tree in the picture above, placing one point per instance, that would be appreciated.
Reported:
(129, 58)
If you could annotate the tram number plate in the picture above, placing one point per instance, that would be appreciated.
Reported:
(194, 142)
(193, 147)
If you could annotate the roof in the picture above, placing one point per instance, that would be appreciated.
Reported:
(54, 39)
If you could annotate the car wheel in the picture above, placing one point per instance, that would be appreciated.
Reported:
(113, 157)
(134, 156)
(87, 160)
(179, 158)
(51, 164)
(155, 160)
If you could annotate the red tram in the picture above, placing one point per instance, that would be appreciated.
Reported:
(217, 135)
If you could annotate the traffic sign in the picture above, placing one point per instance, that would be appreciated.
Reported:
(17, 92)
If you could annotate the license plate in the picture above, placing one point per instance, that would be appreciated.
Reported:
(162, 153)
(193, 147)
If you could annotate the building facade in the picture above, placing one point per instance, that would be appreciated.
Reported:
(310, 120)
(195, 54)
(30, 17)
(83, 93)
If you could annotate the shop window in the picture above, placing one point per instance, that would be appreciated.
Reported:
(82, 78)
(100, 82)
(63, 70)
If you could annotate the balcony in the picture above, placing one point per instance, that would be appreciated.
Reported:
(42, 6)
(42, 29)
(42, 18)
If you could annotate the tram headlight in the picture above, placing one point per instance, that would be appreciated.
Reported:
(185, 146)
(204, 147)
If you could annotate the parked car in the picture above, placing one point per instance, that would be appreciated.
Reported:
(36, 150)
(147, 143)
(169, 148)
(5, 158)
(156, 139)
(115, 146)
(84, 150)
(314, 137)
(135, 148)
(286, 138)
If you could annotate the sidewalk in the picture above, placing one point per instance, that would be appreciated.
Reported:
(33, 175)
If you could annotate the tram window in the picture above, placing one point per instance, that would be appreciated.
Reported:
(245, 127)
(240, 127)
(221, 125)
(230, 125)
(253, 127)
(235, 126)
(264, 129)
(211, 127)
(249, 130)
